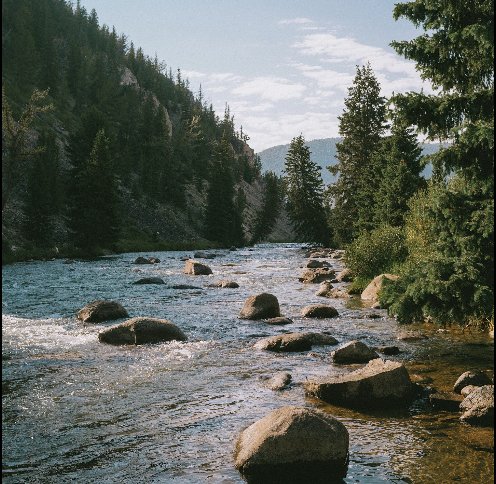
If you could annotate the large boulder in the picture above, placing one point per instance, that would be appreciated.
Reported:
(261, 306)
(475, 378)
(371, 291)
(354, 352)
(319, 311)
(478, 407)
(99, 311)
(195, 268)
(316, 276)
(293, 445)
(379, 384)
(137, 331)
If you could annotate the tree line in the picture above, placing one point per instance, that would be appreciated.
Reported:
(89, 119)
(438, 235)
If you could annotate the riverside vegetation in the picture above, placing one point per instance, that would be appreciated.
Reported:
(105, 150)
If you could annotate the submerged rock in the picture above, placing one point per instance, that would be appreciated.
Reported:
(293, 445)
(280, 320)
(142, 260)
(448, 401)
(380, 383)
(196, 268)
(150, 280)
(224, 283)
(138, 331)
(261, 306)
(99, 311)
(354, 352)
(285, 343)
(411, 336)
(278, 382)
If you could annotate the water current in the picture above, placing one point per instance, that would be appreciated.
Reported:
(75, 410)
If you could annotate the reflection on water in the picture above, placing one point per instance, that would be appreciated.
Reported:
(76, 410)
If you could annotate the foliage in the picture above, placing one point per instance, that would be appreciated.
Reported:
(269, 211)
(222, 216)
(17, 150)
(376, 252)
(361, 126)
(449, 273)
(304, 191)
(94, 219)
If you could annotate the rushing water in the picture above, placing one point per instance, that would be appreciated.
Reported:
(79, 411)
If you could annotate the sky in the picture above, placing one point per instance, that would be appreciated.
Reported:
(282, 66)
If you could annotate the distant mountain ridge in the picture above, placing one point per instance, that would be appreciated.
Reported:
(322, 152)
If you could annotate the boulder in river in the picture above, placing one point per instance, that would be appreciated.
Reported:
(354, 352)
(411, 336)
(381, 383)
(142, 260)
(293, 445)
(280, 320)
(150, 280)
(195, 268)
(224, 283)
(471, 377)
(285, 343)
(261, 306)
(317, 264)
(346, 275)
(478, 407)
(138, 331)
(278, 382)
(102, 310)
(371, 291)
(316, 276)
(319, 311)
(327, 290)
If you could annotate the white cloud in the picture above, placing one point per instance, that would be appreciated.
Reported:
(298, 21)
(326, 78)
(270, 88)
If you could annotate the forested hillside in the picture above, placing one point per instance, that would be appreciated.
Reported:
(105, 148)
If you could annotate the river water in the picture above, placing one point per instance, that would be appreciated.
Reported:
(78, 411)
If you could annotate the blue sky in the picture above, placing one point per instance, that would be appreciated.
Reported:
(283, 67)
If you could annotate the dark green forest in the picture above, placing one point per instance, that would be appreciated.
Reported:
(105, 148)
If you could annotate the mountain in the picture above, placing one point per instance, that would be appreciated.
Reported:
(323, 152)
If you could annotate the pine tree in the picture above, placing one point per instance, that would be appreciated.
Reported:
(452, 279)
(222, 217)
(269, 211)
(304, 191)
(361, 125)
(398, 164)
(94, 219)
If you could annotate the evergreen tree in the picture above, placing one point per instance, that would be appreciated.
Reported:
(452, 280)
(16, 148)
(304, 192)
(94, 217)
(398, 165)
(269, 211)
(42, 192)
(222, 217)
(361, 125)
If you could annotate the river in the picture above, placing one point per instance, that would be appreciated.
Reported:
(75, 410)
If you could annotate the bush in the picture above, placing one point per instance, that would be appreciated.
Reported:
(376, 252)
